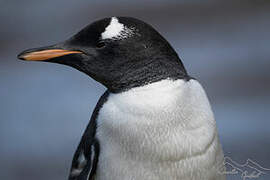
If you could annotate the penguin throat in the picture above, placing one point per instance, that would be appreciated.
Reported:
(146, 75)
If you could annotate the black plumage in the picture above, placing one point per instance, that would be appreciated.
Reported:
(89, 146)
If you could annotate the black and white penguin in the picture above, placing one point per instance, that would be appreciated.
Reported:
(154, 122)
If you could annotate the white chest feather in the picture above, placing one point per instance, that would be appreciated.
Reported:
(164, 130)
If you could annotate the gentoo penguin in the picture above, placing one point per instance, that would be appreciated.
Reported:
(154, 122)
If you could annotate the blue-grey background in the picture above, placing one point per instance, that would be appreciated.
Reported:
(44, 107)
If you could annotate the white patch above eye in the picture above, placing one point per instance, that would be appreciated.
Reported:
(116, 30)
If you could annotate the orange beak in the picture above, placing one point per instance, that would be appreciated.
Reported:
(42, 55)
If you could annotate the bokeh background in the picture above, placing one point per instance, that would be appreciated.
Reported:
(44, 108)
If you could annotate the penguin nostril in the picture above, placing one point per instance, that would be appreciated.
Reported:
(100, 44)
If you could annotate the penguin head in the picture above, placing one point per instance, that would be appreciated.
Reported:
(119, 52)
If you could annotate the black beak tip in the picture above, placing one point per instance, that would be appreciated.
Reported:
(21, 56)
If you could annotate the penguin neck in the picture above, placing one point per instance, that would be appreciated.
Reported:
(163, 97)
(148, 73)
(156, 95)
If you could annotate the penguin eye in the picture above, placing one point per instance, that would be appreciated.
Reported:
(100, 44)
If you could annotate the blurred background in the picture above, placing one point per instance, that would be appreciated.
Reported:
(44, 108)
